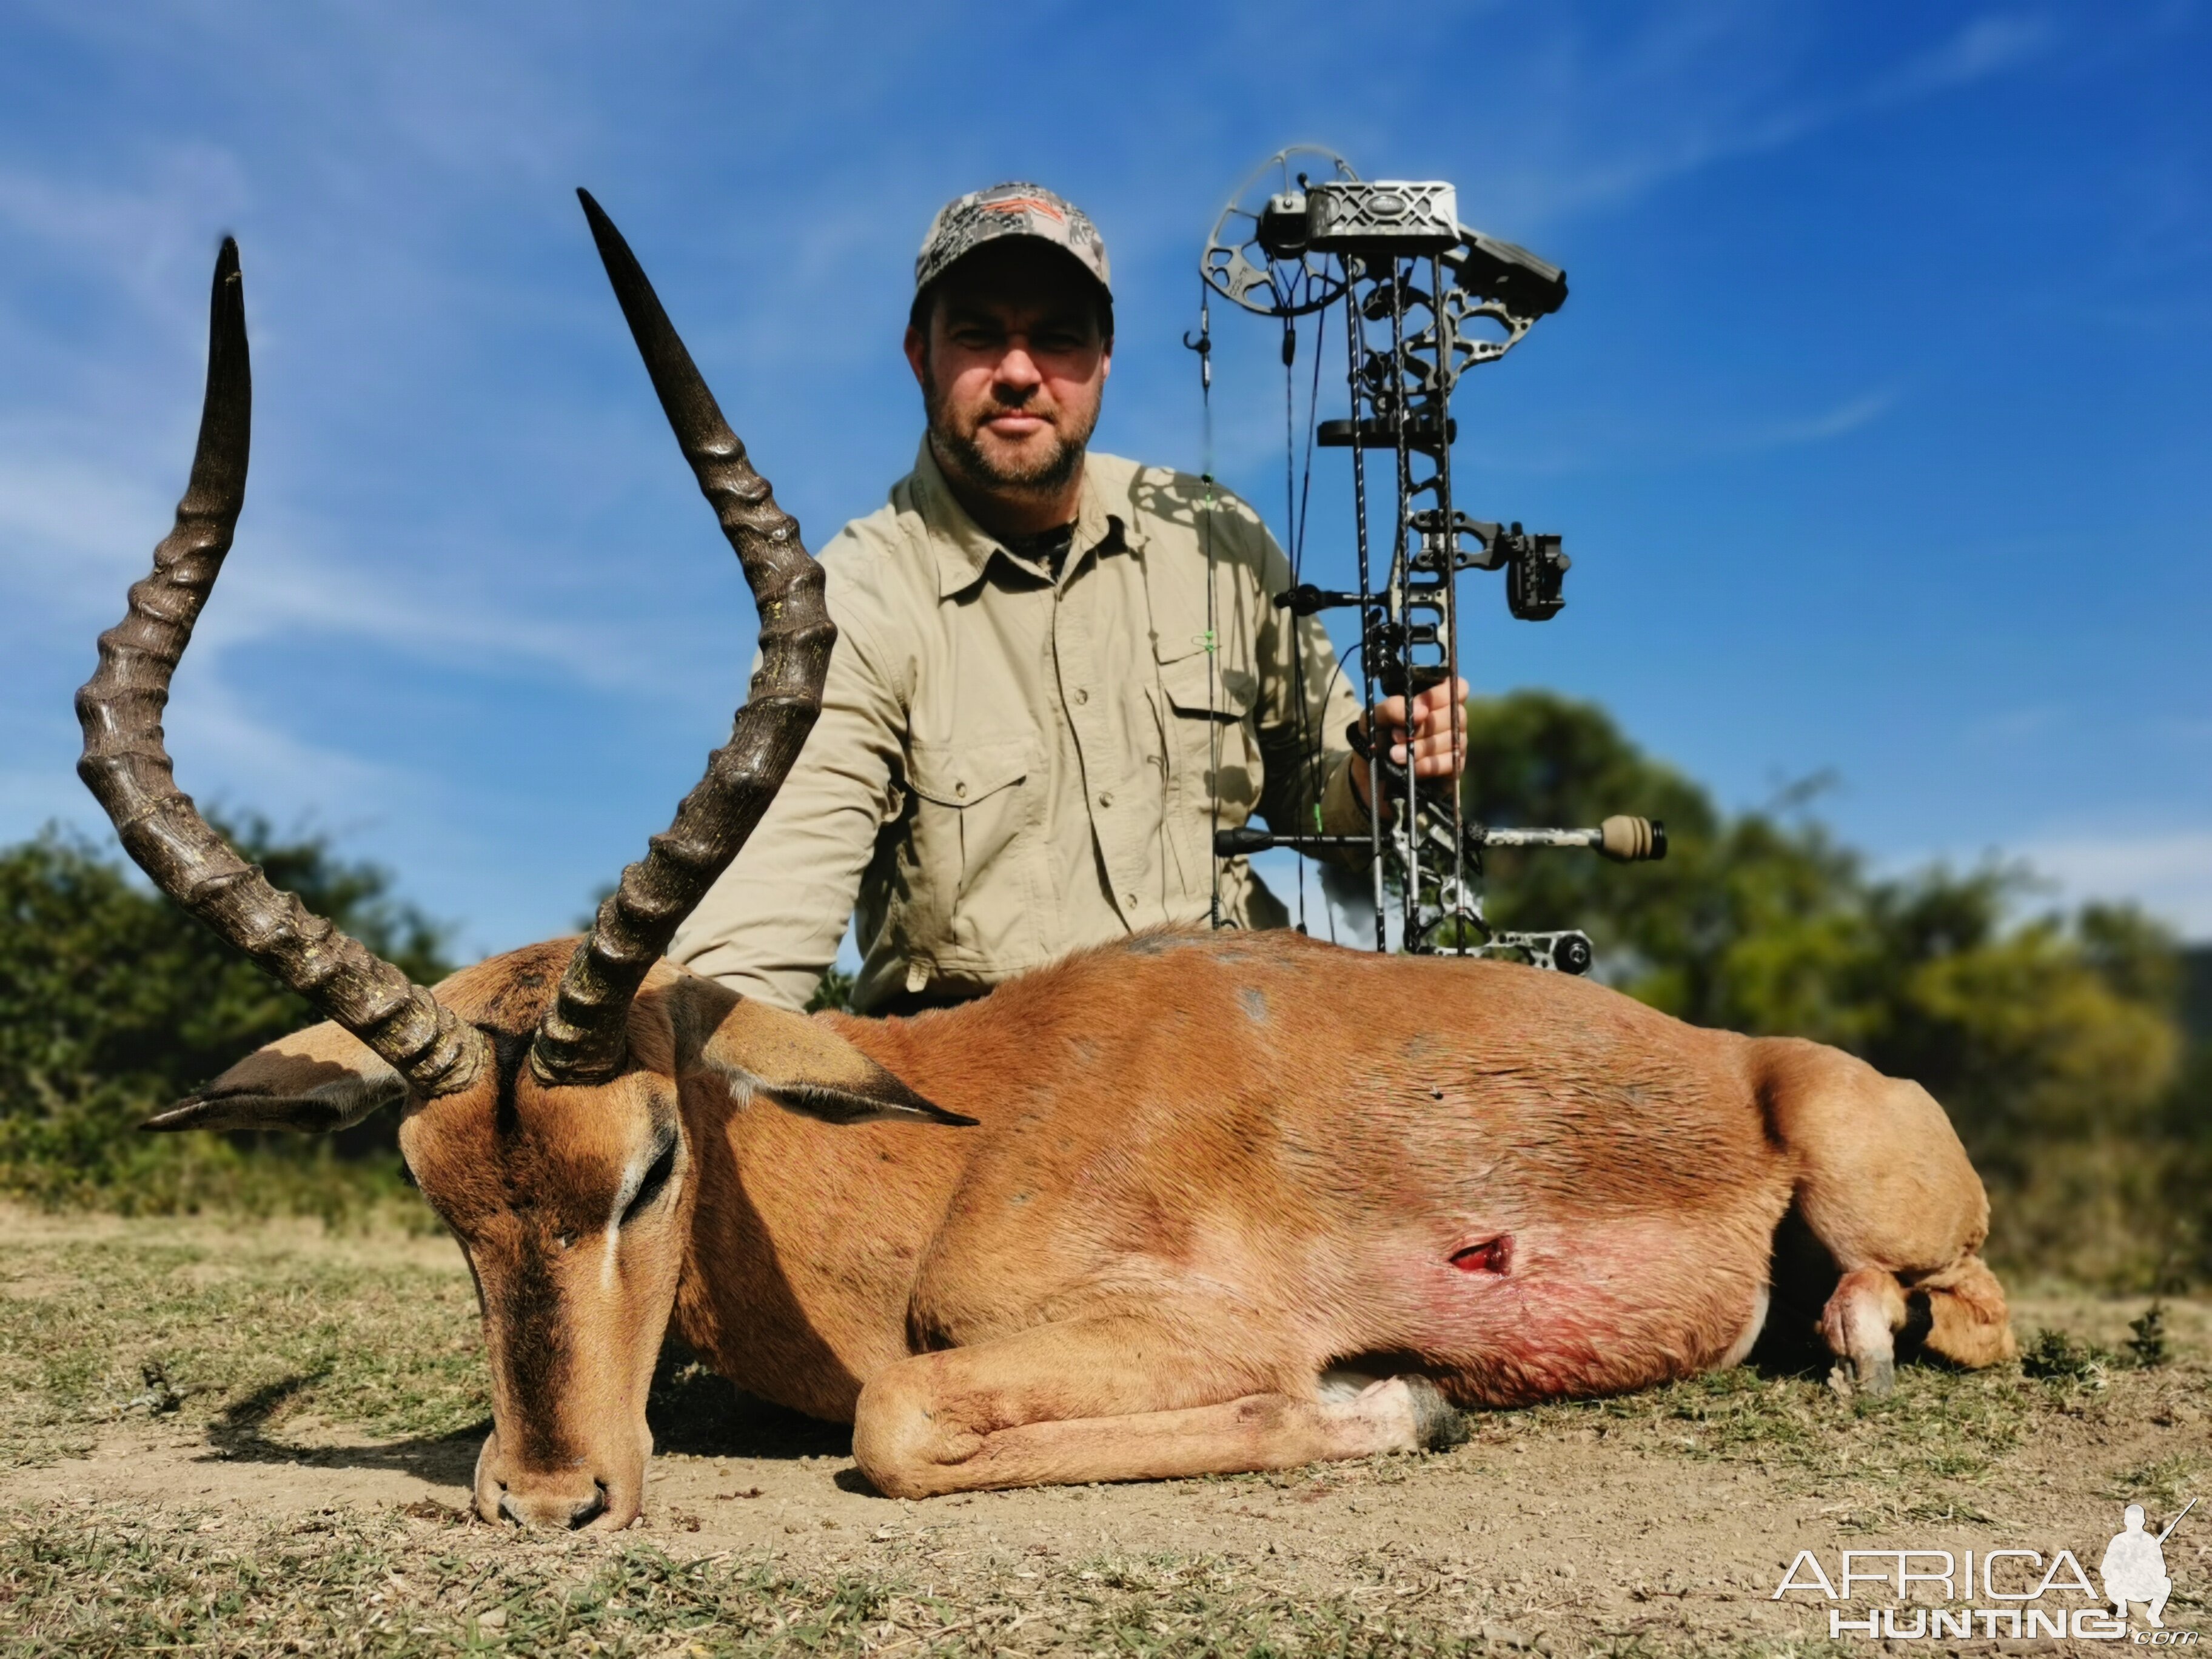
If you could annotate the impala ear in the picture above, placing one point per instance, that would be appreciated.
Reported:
(798, 1062)
(316, 1081)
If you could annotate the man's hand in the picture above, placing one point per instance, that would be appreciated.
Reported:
(1439, 736)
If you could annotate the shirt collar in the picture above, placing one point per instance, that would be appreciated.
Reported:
(965, 549)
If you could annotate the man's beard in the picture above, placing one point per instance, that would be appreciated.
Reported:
(959, 453)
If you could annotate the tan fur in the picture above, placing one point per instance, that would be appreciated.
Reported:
(1207, 1219)
(1967, 1323)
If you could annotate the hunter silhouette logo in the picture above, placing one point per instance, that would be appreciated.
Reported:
(2009, 1593)
(2134, 1567)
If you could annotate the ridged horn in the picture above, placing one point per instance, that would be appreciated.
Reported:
(581, 1038)
(126, 765)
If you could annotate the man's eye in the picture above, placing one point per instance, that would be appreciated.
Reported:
(655, 1179)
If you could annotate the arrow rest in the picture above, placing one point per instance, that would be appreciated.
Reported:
(1423, 299)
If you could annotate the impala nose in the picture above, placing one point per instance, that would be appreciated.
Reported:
(571, 1491)
(554, 1509)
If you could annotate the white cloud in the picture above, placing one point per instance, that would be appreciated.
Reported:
(75, 533)
(36, 795)
(1671, 443)
(1835, 423)
(2169, 873)
(1709, 84)
(72, 530)
(293, 593)
(216, 733)
(1845, 417)
(1987, 46)
(151, 238)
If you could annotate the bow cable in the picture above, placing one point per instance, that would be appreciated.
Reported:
(1211, 638)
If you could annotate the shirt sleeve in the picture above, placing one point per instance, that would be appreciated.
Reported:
(771, 926)
(1306, 702)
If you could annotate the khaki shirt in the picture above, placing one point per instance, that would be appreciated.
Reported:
(1008, 767)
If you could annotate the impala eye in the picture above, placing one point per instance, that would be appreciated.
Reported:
(655, 1179)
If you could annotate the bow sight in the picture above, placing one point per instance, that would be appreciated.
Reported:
(1424, 299)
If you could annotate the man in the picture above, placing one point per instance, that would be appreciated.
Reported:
(1056, 671)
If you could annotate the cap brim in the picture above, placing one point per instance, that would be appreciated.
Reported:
(1001, 243)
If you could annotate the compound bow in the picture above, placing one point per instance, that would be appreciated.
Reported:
(1423, 300)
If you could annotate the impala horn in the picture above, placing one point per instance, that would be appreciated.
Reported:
(581, 1038)
(126, 765)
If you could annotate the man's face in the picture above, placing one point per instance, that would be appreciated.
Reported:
(1011, 369)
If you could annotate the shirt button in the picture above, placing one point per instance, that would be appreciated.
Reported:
(1082, 694)
(1130, 899)
(960, 790)
(1105, 800)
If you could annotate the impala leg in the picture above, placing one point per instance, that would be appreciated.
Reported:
(1861, 1323)
(1114, 1399)
(1884, 1186)
(1968, 1324)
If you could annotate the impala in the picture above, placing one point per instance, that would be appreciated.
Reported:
(1208, 1202)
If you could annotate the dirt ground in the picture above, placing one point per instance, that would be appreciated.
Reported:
(1660, 1523)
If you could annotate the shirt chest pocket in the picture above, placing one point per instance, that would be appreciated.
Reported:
(977, 814)
(1206, 709)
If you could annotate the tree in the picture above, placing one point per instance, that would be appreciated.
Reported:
(835, 991)
(2053, 1041)
(113, 1002)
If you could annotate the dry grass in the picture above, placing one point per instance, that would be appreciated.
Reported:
(115, 1581)
(256, 1344)
(230, 1333)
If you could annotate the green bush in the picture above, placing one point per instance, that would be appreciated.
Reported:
(2055, 1041)
(114, 1003)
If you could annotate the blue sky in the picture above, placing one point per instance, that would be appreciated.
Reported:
(1877, 423)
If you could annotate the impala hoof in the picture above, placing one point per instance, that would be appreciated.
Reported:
(1868, 1379)
(1438, 1425)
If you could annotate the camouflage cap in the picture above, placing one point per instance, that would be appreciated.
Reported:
(966, 224)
